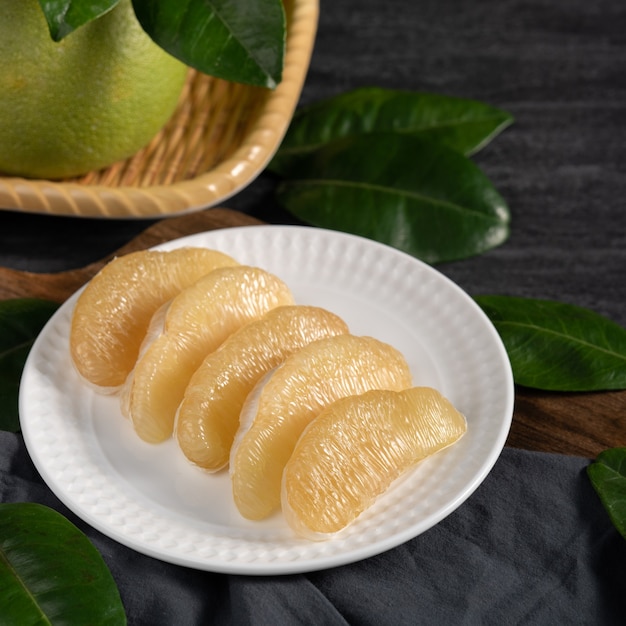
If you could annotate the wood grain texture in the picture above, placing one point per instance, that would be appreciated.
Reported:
(566, 423)
(59, 286)
(581, 424)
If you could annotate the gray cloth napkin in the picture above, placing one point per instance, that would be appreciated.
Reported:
(533, 545)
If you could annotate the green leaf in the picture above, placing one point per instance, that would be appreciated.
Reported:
(461, 124)
(238, 40)
(20, 322)
(417, 196)
(50, 573)
(558, 347)
(65, 16)
(608, 477)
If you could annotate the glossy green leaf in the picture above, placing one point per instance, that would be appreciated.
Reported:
(417, 196)
(238, 40)
(608, 477)
(65, 16)
(462, 124)
(20, 323)
(557, 346)
(50, 573)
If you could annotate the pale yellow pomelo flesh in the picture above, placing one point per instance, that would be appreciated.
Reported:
(112, 313)
(354, 450)
(208, 416)
(198, 320)
(276, 413)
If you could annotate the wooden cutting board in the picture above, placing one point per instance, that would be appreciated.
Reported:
(577, 424)
(61, 285)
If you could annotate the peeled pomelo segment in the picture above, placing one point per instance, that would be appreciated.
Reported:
(278, 410)
(113, 312)
(208, 416)
(352, 452)
(197, 321)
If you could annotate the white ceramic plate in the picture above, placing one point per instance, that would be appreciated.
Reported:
(151, 499)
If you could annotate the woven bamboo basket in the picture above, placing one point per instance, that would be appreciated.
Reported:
(220, 138)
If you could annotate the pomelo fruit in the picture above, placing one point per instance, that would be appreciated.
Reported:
(283, 403)
(194, 324)
(84, 103)
(113, 313)
(208, 416)
(354, 450)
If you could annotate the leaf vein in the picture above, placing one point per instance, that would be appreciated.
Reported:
(550, 331)
(386, 190)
